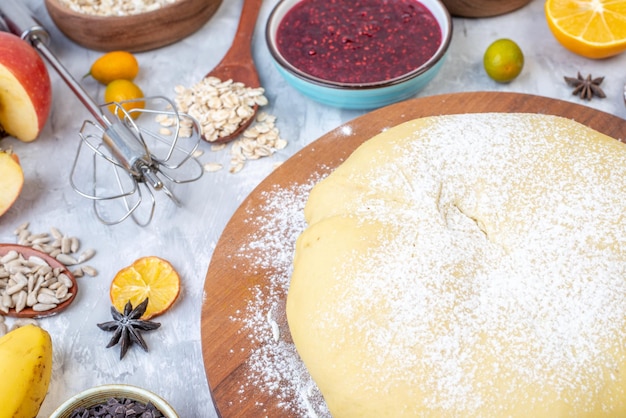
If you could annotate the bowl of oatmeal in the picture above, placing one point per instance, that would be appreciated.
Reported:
(361, 55)
(130, 25)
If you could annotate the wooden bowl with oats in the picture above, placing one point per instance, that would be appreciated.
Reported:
(482, 8)
(130, 29)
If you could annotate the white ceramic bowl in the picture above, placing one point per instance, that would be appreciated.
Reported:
(359, 96)
(99, 394)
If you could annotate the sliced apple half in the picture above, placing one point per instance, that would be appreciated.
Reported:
(25, 89)
(11, 180)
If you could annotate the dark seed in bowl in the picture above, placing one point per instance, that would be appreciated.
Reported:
(118, 408)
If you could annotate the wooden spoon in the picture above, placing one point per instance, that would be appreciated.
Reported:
(238, 63)
(52, 262)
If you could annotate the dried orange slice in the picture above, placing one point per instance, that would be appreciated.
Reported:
(148, 277)
(591, 28)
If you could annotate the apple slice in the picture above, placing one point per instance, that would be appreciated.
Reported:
(25, 89)
(11, 180)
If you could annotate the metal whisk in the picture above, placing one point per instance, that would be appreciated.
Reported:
(127, 158)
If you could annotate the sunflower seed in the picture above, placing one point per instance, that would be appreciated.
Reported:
(6, 302)
(20, 278)
(56, 233)
(66, 297)
(10, 256)
(10, 291)
(45, 298)
(74, 244)
(31, 299)
(20, 303)
(66, 243)
(65, 280)
(61, 292)
(21, 228)
(66, 259)
(41, 307)
(90, 271)
(86, 255)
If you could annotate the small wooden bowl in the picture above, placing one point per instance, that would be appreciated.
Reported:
(482, 8)
(133, 33)
(27, 252)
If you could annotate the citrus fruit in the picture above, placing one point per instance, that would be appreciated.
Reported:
(591, 28)
(120, 91)
(503, 60)
(148, 277)
(114, 66)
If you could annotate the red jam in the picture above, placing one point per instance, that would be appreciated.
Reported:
(358, 41)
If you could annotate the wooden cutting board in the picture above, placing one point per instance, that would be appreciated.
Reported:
(229, 282)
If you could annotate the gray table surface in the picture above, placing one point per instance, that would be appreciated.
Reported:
(187, 236)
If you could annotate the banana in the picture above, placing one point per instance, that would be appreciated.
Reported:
(25, 370)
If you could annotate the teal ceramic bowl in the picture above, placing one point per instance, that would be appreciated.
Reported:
(368, 95)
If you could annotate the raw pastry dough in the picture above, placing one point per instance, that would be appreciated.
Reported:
(468, 266)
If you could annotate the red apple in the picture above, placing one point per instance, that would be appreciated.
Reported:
(25, 90)
(11, 180)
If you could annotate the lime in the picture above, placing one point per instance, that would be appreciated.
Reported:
(503, 60)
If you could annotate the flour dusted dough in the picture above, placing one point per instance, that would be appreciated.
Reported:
(468, 266)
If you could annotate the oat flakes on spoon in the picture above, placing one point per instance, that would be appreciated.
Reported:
(231, 90)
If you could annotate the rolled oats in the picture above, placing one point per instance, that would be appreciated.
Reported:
(221, 107)
(212, 167)
(115, 7)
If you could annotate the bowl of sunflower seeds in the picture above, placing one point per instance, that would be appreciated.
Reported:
(115, 400)
(129, 25)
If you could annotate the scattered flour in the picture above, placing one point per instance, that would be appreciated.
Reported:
(275, 366)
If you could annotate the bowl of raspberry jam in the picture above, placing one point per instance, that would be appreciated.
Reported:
(358, 54)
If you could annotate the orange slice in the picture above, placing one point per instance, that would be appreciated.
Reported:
(591, 28)
(148, 277)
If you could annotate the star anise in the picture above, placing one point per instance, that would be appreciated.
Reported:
(127, 326)
(587, 87)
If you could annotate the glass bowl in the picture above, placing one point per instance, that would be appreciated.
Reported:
(367, 95)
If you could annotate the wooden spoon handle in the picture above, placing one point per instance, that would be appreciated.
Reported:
(240, 48)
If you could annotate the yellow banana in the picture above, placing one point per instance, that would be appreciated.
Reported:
(25, 370)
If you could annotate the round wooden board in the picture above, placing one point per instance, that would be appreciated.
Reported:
(226, 349)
